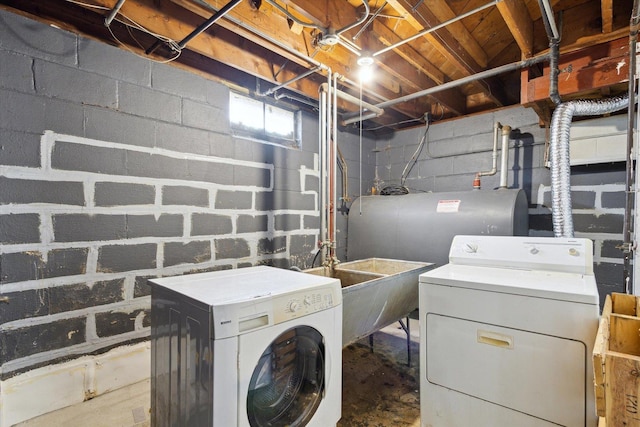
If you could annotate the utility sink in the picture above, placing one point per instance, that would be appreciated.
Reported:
(375, 293)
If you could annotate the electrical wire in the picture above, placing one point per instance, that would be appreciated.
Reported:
(414, 158)
(394, 189)
(391, 125)
(130, 23)
(315, 257)
(143, 56)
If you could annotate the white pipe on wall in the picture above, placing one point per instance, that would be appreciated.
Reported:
(504, 152)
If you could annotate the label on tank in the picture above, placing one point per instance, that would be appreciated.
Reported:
(448, 206)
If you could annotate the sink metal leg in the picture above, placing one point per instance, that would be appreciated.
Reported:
(371, 343)
(407, 330)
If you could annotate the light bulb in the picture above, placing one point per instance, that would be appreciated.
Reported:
(365, 61)
(366, 73)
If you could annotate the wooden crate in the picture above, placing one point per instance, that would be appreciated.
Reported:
(616, 361)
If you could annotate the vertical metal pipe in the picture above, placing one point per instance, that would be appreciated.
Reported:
(321, 166)
(634, 25)
(334, 168)
(554, 48)
(327, 171)
(494, 153)
(504, 161)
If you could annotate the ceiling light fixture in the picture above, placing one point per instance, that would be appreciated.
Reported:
(365, 62)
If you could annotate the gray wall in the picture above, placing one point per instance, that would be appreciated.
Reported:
(115, 169)
(460, 148)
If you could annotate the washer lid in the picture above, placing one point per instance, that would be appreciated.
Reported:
(244, 284)
(536, 283)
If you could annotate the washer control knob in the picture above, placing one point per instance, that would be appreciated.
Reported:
(294, 306)
(307, 300)
(533, 250)
(574, 252)
(470, 248)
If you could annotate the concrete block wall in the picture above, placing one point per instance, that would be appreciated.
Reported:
(458, 149)
(114, 169)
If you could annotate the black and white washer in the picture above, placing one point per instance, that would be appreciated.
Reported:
(252, 347)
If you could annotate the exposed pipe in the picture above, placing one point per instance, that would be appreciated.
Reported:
(310, 102)
(436, 27)
(113, 13)
(357, 85)
(375, 111)
(504, 153)
(373, 17)
(333, 161)
(298, 54)
(344, 168)
(321, 151)
(548, 11)
(287, 83)
(559, 155)
(201, 28)
(494, 158)
(349, 46)
(478, 76)
(554, 48)
(627, 246)
(364, 17)
(362, 117)
(293, 17)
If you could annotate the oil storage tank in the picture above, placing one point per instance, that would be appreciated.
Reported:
(421, 226)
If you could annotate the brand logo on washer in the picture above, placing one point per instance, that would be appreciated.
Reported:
(225, 322)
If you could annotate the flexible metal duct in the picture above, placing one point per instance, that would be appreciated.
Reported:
(559, 155)
(421, 226)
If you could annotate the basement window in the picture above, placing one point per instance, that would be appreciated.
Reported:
(264, 122)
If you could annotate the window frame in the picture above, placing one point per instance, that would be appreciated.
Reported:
(260, 134)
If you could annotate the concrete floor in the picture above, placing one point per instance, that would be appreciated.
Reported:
(395, 401)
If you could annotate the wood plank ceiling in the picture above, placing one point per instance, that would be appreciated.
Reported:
(416, 45)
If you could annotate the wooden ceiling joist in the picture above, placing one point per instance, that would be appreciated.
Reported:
(278, 42)
(446, 43)
(518, 20)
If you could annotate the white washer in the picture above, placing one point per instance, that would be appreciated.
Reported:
(252, 347)
(506, 334)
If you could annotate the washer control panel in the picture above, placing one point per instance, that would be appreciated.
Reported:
(570, 255)
(293, 305)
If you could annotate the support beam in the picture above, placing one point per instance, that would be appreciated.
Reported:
(443, 41)
(443, 13)
(449, 47)
(606, 7)
(582, 72)
(517, 18)
(419, 72)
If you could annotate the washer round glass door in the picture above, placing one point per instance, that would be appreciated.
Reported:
(287, 384)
